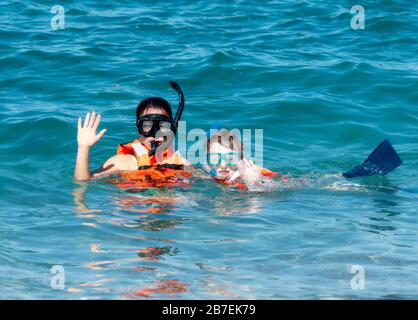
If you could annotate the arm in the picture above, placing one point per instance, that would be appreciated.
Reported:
(252, 173)
(120, 162)
(86, 138)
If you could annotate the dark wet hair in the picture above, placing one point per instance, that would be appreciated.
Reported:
(154, 103)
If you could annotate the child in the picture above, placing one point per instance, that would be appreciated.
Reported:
(225, 158)
(155, 125)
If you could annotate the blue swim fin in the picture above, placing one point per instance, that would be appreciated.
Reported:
(381, 161)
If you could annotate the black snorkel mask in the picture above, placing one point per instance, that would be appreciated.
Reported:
(150, 124)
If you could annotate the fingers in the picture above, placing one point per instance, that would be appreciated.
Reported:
(248, 163)
(79, 123)
(92, 118)
(100, 135)
(97, 122)
(91, 121)
(86, 120)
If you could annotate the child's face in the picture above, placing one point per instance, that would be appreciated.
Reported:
(223, 160)
(147, 140)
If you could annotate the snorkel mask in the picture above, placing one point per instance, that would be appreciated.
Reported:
(150, 124)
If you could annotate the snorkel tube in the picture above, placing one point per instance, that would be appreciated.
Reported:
(177, 117)
(154, 147)
(180, 108)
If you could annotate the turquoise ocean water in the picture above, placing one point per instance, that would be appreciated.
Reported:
(324, 94)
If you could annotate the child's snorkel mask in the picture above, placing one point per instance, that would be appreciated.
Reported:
(211, 162)
(150, 124)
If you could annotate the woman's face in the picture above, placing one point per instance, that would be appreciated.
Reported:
(223, 160)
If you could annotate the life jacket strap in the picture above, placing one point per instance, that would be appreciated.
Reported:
(163, 166)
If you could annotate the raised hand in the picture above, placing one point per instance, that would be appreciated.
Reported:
(86, 134)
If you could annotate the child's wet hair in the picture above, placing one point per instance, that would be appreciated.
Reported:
(153, 103)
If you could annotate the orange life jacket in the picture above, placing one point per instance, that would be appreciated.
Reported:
(140, 151)
(168, 170)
